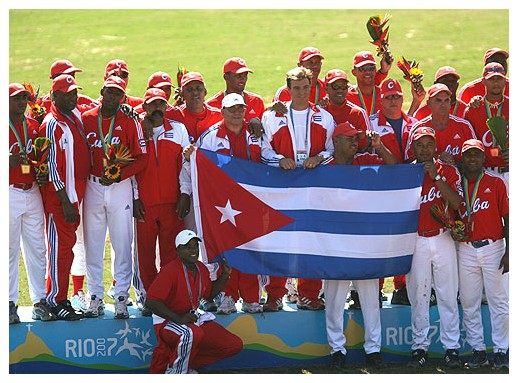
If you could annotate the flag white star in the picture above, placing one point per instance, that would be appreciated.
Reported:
(227, 213)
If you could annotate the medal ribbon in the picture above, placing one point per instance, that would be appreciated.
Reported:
(110, 131)
(189, 289)
(317, 93)
(23, 148)
(455, 108)
(470, 201)
(362, 101)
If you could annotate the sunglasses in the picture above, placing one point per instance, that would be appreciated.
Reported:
(495, 70)
(335, 86)
(367, 68)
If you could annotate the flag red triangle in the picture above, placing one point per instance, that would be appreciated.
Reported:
(230, 215)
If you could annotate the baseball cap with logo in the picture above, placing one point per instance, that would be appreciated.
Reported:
(191, 76)
(236, 65)
(363, 58)
(309, 52)
(158, 80)
(390, 87)
(62, 67)
(114, 66)
(347, 130)
(184, 237)
(423, 131)
(153, 94)
(493, 69)
(435, 89)
(64, 83)
(232, 99)
(445, 70)
(472, 144)
(335, 75)
(17, 88)
(492, 51)
(115, 82)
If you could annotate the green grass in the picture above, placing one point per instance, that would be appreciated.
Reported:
(269, 41)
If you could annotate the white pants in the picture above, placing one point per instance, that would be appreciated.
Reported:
(27, 223)
(335, 293)
(79, 263)
(108, 207)
(434, 263)
(478, 269)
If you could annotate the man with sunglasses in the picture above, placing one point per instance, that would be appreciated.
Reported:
(235, 74)
(494, 103)
(366, 93)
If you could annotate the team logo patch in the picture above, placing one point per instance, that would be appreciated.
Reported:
(220, 145)
(456, 137)
(317, 118)
(142, 142)
(488, 190)
(169, 134)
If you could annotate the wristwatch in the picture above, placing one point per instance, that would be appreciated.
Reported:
(437, 177)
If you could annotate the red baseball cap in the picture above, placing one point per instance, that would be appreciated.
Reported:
(115, 82)
(493, 69)
(309, 52)
(445, 70)
(335, 75)
(390, 87)
(236, 65)
(17, 88)
(347, 130)
(158, 80)
(153, 94)
(62, 67)
(363, 58)
(191, 76)
(472, 144)
(423, 131)
(64, 83)
(492, 51)
(115, 66)
(436, 89)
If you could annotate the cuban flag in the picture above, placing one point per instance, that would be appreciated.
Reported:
(331, 222)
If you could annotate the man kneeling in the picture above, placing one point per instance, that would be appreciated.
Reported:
(188, 338)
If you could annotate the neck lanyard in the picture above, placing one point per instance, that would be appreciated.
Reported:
(317, 93)
(194, 305)
(362, 101)
(455, 108)
(307, 127)
(110, 131)
(489, 106)
(470, 201)
(23, 147)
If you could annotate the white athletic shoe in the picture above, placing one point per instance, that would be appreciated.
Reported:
(227, 306)
(121, 309)
(79, 301)
(96, 308)
(252, 308)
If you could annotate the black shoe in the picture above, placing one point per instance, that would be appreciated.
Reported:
(478, 359)
(354, 300)
(13, 313)
(501, 360)
(374, 360)
(65, 311)
(451, 359)
(433, 298)
(400, 297)
(337, 361)
(146, 311)
(419, 358)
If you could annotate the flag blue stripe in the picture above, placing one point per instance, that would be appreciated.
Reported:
(351, 223)
(311, 266)
(346, 177)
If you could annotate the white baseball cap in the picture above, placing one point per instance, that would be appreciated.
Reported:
(232, 99)
(185, 236)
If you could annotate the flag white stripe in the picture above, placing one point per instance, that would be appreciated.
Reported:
(344, 200)
(334, 245)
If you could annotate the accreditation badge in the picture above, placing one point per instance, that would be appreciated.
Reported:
(26, 168)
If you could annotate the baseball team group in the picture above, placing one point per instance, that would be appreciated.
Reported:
(80, 168)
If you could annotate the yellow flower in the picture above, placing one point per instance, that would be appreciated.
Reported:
(415, 71)
(43, 168)
(113, 172)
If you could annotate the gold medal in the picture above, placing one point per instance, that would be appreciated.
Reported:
(105, 162)
(26, 169)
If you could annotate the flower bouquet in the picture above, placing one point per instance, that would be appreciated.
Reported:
(177, 95)
(498, 127)
(411, 72)
(37, 110)
(118, 156)
(458, 229)
(41, 148)
(378, 30)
